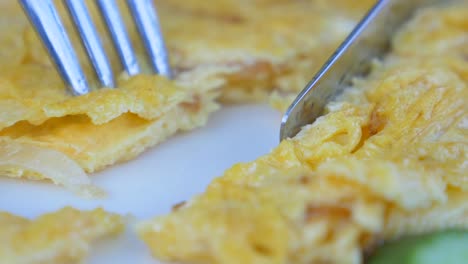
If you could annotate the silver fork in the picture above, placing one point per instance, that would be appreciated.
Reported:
(45, 19)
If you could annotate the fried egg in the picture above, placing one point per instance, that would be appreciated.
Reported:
(256, 47)
(389, 158)
(229, 51)
(64, 236)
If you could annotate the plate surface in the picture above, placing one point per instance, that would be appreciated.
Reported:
(163, 176)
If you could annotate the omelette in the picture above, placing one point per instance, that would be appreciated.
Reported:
(60, 237)
(225, 51)
(388, 159)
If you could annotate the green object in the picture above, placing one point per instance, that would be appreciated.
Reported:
(446, 247)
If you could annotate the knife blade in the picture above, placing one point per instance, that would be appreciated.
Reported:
(370, 39)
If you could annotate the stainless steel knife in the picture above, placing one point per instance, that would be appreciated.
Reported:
(370, 39)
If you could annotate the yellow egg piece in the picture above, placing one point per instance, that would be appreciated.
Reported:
(64, 236)
(388, 159)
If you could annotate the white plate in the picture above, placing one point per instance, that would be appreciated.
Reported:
(167, 174)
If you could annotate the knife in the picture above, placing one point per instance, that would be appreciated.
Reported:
(370, 39)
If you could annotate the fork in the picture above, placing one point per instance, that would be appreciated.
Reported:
(46, 21)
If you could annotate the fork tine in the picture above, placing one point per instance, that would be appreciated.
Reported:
(47, 23)
(146, 20)
(111, 14)
(91, 41)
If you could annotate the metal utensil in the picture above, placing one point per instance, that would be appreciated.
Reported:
(370, 39)
(46, 21)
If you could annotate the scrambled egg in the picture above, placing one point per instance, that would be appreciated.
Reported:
(388, 159)
(60, 237)
(229, 50)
